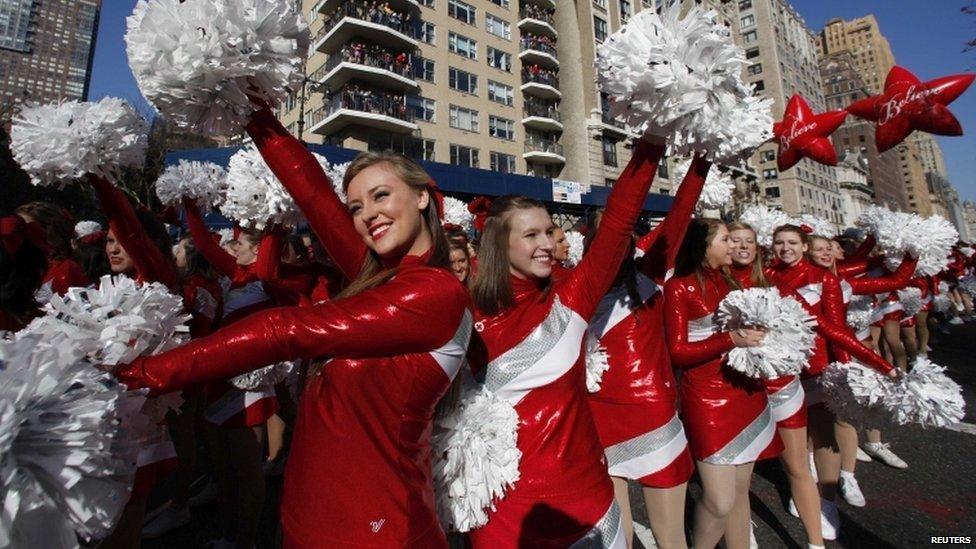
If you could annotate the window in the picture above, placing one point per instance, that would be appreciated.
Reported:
(748, 20)
(502, 3)
(759, 85)
(767, 156)
(609, 152)
(423, 68)
(755, 69)
(770, 174)
(421, 107)
(461, 11)
(427, 3)
(502, 128)
(462, 45)
(464, 119)
(752, 53)
(499, 59)
(600, 3)
(662, 168)
(464, 156)
(772, 192)
(463, 81)
(427, 31)
(503, 163)
(496, 26)
(626, 10)
(599, 29)
(745, 4)
(500, 93)
(611, 182)
(749, 37)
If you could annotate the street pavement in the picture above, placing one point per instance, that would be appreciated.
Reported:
(934, 497)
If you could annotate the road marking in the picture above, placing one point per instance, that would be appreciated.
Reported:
(967, 428)
(645, 536)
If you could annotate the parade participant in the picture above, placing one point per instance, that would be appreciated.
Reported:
(287, 271)
(460, 260)
(635, 404)
(726, 414)
(63, 270)
(561, 251)
(23, 265)
(396, 337)
(531, 327)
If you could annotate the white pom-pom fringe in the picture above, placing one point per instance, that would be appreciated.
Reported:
(575, 240)
(85, 228)
(718, 188)
(789, 336)
(764, 221)
(597, 363)
(456, 213)
(968, 284)
(819, 226)
(859, 312)
(226, 235)
(337, 174)
(941, 303)
(911, 301)
(61, 142)
(204, 182)
(198, 61)
(898, 233)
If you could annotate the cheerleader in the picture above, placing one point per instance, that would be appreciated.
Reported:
(726, 415)
(531, 327)
(634, 405)
(287, 271)
(63, 271)
(461, 260)
(359, 473)
(23, 264)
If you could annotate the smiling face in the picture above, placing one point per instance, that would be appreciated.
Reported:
(561, 250)
(531, 242)
(838, 250)
(744, 249)
(388, 213)
(246, 250)
(460, 264)
(788, 247)
(822, 252)
(719, 251)
(118, 259)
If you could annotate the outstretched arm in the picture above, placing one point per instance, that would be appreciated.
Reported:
(888, 283)
(217, 256)
(862, 251)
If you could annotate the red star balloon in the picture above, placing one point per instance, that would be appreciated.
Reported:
(908, 104)
(803, 133)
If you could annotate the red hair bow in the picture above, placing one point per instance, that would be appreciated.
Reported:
(479, 207)
(93, 239)
(14, 231)
(806, 229)
(438, 197)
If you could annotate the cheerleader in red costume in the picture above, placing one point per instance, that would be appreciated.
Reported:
(63, 270)
(23, 262)
(726, 415)
(929, 286)
(359, 473)
(635, 404)
(287, 272)
(531, 328)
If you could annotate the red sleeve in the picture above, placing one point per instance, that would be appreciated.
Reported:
(685, 353)
(595, 273)
(151, 265)
(217, 256)
(305, 181)
(862, 251)
(888, 283)
(417, 311)
(67, 274)
(844, 345)
(850, 269)
(287, 288)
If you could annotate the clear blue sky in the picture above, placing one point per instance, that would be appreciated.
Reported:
(927, 38)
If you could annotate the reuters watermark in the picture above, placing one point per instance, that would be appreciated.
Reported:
(950, 540)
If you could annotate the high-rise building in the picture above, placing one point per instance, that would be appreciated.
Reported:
(917, 190)
(842, 85)
(930, 153)
(46, 50)
(782, 51)
(862, 39)
(856, 194)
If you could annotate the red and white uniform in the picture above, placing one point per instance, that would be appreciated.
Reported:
(857, 279)
(635, 409)
(61, 274)
(289, 284)
(533, 360)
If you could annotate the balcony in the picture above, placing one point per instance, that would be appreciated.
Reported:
(395, 31)
(327, 6)
(545, 4)
(353, 105)
(543, 117)
(543, 152)
(612, 126)
(538, 50)
(536, 20)
(369, 64)
(540, 82)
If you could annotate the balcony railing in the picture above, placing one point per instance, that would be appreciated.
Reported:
(610, 121)
(542, 111)
(541, 145)
(403, 23)
(364, 100)
(537, 13)
(370, 56)
(538, 43)
(538, 75)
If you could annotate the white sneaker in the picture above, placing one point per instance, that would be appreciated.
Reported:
(881, 452)
(862, 456)
(955, 321)
(850, 490)
(168, 519)
(928, 348)
(204, 496)
(813, 468)
(792, 509)
(753, 544)
(829, 520)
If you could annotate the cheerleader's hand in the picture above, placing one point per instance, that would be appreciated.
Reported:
(894, 373)
(747, 337)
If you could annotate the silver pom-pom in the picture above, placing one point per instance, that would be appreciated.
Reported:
(62, 473)
(337, 174)
(597, 363)
(226, 235)
(820, 227)
(911, 301)
(718, 188)
(200, 61)
(932, 244)
(764, 221)
(59, 143)
(682, 78)
(85, 228)
(789, 331)
(856, 393)
(968, 284)
(204, 182)
(114, 323)
(269, 376)
(859, 312)
(575, 241)
(456, 212)
(941, 303)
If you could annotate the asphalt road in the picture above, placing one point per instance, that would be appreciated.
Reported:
(934, 497)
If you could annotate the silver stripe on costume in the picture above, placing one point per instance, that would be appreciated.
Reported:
(605, 534)
(529, 351)
(730, 453)
(847, 290)
(643, 444)
(450, 356)
(786, 393)
(787, 401)
(617, 305)
(811, 293)
(702, 328)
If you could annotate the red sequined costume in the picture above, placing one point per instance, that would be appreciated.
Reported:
(289, 284)
(62, 273)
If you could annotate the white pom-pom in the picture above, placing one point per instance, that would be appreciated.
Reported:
(789, 336)
(856, 392)
(968, 284)
(597, 363)
(456, 212)
(116, 322)
(895, 232)
(575, 241)
(911, 301)
(941, 303)
(932, 243)
(85, 228)
(820, 227)
(476, 457)
(764, 221)
(62, 142)
(204, 182)
(681, 78)
(337, 174)
(718, 188)
(198, 61)
(928, 397)
(226, 235)
(62, 473)
(255, 198)
(269, 376)
(859, 312)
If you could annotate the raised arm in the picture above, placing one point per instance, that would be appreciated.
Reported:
(862, 251)
(684, 351)
(287, 288)
(417, 311)
(305, 181)
(217, 256)
(150, 263)
(661, 250)
(594, 275)
(888, 283)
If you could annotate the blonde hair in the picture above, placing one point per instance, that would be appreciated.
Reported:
(757, 276)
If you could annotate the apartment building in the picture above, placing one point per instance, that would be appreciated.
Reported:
(862, 39)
